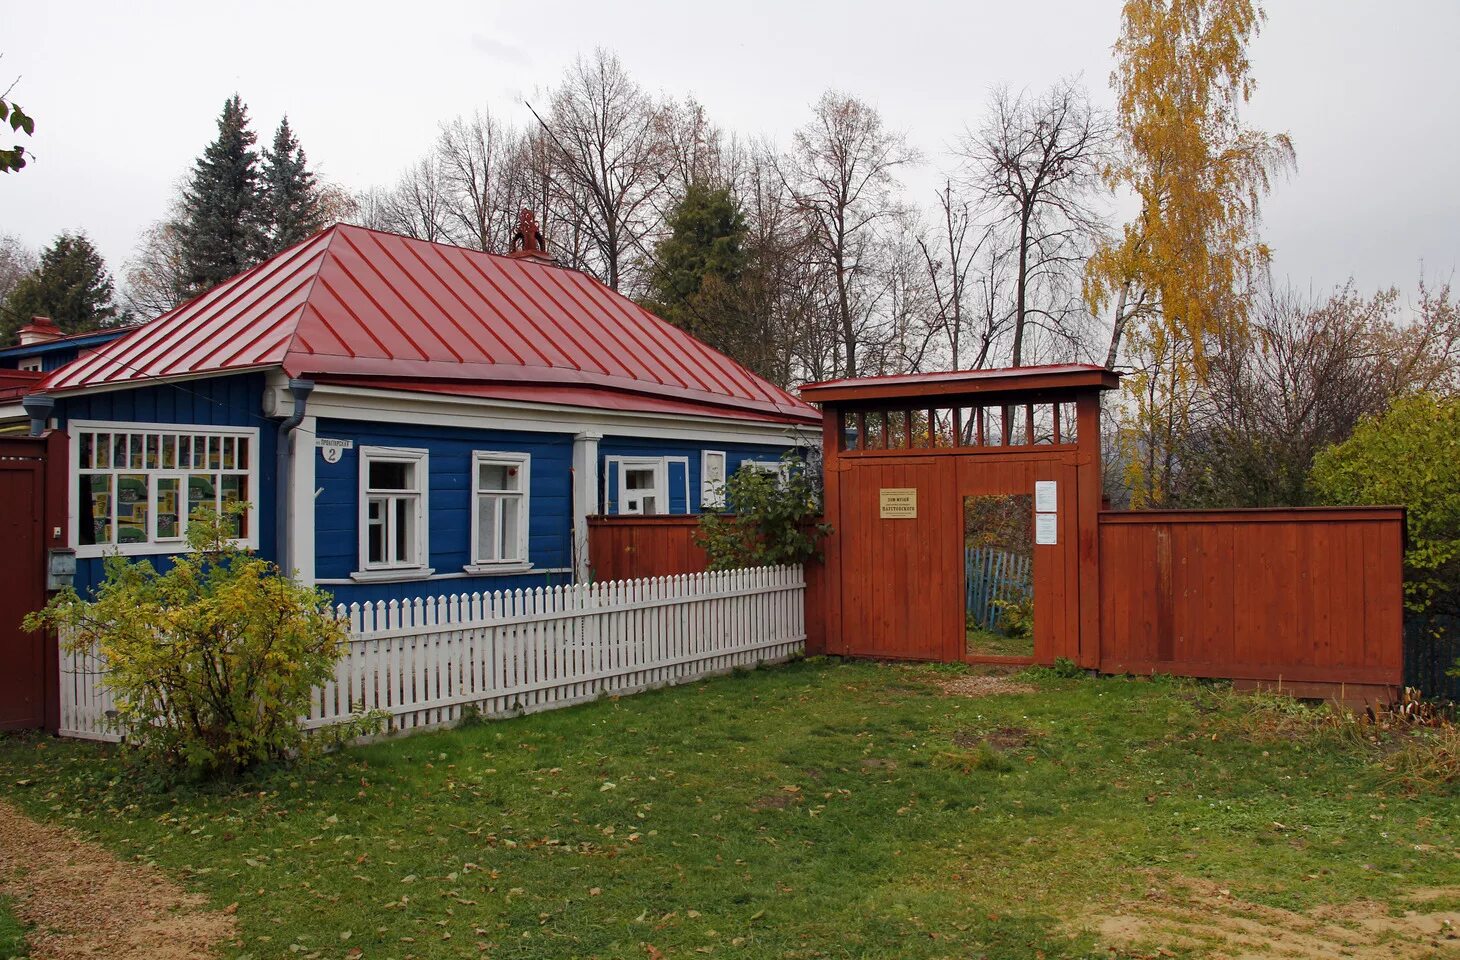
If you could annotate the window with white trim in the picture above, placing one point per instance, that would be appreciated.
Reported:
(776, 468)
(712, 479)
(500, 500)
(642, 487)
(30, 365)
(393, 509)
(137, 484)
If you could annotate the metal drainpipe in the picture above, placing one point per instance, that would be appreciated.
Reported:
(38, 407)
(283, 468)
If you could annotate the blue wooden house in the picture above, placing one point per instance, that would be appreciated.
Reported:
(405, 418)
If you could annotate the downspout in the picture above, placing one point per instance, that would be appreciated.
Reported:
(38, 407)
(283, 460)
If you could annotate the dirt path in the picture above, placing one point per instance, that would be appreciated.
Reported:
(1196, 917)
(84, 902)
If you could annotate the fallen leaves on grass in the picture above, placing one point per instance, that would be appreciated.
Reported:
(84, 902)
(984, 686)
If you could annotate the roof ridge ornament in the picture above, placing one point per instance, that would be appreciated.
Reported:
(528, 242)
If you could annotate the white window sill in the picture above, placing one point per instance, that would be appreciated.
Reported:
(396, 575)
(147, 549)
(487, 569)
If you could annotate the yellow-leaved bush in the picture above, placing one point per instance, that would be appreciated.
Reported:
(210, 662)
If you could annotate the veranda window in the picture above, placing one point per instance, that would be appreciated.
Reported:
(500, 509)
(393, 509)
(137, 484)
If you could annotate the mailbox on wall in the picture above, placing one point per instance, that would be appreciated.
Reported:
(60, 568)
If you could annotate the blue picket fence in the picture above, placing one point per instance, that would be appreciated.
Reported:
(991, 575)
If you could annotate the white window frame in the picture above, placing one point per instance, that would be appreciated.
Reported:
(523, 463)
(152, 546)
(712, 491)
(29, 365)
(418, 567)
(660, 467)
(778, 468)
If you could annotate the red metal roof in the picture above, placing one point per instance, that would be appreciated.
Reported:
(354, 302)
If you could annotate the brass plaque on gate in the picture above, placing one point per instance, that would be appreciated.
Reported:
(899, 503)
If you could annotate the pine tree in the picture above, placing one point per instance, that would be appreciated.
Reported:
(291, 198)
(71, 286)
(222, 223)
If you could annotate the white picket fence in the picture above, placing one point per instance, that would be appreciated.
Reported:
(422, 662)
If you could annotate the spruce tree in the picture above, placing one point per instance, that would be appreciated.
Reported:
(71, 286)
(223, 229)
(291, 197)
(702, 258)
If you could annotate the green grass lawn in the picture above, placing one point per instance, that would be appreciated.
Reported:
(816, 810)
(12, 933)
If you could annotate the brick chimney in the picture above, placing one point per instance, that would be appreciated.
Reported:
(39, 330)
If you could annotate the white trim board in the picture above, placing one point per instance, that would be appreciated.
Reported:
(341, 402)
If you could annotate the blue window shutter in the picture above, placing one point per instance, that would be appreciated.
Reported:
(610, 487)
(678, 480)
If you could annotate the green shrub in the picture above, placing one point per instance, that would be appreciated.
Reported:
(776, 520)
(211, 662)
(1409, 456)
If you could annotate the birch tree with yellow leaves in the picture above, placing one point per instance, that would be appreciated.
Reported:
(1177, 277)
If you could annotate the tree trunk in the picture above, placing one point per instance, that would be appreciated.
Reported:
(1021, 288)
(1119, 331)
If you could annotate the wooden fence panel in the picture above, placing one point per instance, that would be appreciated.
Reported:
(1304, 596)
(627, 547)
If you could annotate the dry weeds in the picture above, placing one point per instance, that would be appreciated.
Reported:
(1191, 916)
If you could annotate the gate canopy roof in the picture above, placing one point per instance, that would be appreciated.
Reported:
(1006, 382)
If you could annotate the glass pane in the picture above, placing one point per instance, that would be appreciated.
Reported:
(648, 506)
(387, 475)
(136, 458)
(215, 452)
(639, 479)
(132, 506)
(84, 452)
(201, 493)
(235, 490)
(242, 453)
(184, 452)
(511, 511)
(488, 530)
(498, 476)
(169, 452)
(93, 524)
(998, 565)
(375, 532)
(405, 535)
(168, 525)
(227, 453)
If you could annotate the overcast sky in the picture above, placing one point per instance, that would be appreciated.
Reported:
(126, 95)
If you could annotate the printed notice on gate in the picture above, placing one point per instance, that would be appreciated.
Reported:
(1045, 527)
(899, 503)
(1046, 496)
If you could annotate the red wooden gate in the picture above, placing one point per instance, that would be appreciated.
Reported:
(32, 517)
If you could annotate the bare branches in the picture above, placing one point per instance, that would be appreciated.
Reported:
(1035, 164)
